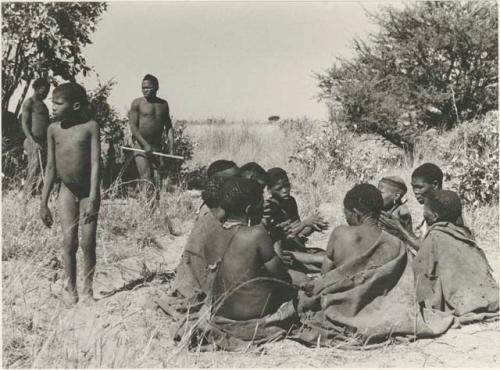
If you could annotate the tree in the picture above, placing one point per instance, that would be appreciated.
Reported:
(431, 64)
(44, 40)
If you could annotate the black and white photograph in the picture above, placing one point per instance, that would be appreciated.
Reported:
(250, 184)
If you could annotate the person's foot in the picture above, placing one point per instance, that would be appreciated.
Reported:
(88, 298)
(69, 299)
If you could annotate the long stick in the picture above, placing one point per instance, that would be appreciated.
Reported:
(155, 153)
(40, 163)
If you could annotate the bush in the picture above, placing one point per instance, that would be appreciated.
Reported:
(430, 64)
(472, 159)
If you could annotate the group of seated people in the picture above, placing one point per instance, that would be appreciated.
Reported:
(246, 265)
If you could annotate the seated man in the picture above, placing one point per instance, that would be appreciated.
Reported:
(366, 286)
(282, 221)
(451, 272)
(251, 281)
(393, 189)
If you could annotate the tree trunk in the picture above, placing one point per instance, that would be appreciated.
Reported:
(23, 96)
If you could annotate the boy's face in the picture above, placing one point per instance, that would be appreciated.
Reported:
(281, 189)
(42, 92)
(62, 108)
(148, 89)
(421, 188)
(429, 215)
(389, 194)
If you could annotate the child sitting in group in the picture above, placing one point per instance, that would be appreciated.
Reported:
(281, 219)
(451, 271)
(254, 171)
(393, 189)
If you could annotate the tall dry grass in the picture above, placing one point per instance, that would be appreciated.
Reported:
(120, 331)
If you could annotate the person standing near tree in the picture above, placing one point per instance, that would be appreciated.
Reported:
(35, 121)
(149, 119)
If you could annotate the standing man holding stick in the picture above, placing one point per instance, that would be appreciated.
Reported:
(35, 121)
(149, 118)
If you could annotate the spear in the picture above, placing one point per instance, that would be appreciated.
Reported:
(155, 153)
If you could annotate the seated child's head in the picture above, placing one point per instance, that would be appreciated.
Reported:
(223, 168)
(361, 201)
(393, 189)
(252, 170)
(426, 179)
(69, 99)
(278, 183)
(442, 206)
(242, 197)
(210, 194)
(41, 87)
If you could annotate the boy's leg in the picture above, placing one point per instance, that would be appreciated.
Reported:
(88, 245)
(32, 169)
(68, 210)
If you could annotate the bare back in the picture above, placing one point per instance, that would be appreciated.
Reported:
(245, 260)
(39, 120)
(73, 148)
(153, 117)
(349, 242)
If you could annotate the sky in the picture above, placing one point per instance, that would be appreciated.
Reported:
(230, 60)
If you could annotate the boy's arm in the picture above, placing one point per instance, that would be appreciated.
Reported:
(50, 175)
(26, 118)
(134, 126)
(328, 262)
(95, 172)
(408, 236)
(95, 161)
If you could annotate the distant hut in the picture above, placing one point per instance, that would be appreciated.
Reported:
(272, 119)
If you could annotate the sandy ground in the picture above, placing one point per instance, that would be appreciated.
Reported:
(123, 328)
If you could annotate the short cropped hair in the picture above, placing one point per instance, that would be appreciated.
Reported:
(72, 91)
(366, 198)
(236, 194)
(446, 204)
(218, 166)
(430, 173)
(276, 174)
(210, 194)
(153, 79)
(395, 182)
(40, 82)
(254, 171)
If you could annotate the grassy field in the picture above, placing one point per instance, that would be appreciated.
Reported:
(136, 249)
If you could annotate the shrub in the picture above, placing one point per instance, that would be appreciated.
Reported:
(472, 159)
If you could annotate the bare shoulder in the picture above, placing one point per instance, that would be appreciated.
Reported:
(342, 233)
(136, 102)
(28, 103)
(257, 232)
(92, 125)
(54, 127)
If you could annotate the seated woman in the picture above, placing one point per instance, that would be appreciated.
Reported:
(451, 272)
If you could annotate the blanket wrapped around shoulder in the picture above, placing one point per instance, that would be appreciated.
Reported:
(369, 298)
(453, 275)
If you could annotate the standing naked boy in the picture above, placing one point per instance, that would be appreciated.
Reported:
(149, 118)
(35, 121)
(73, 156)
